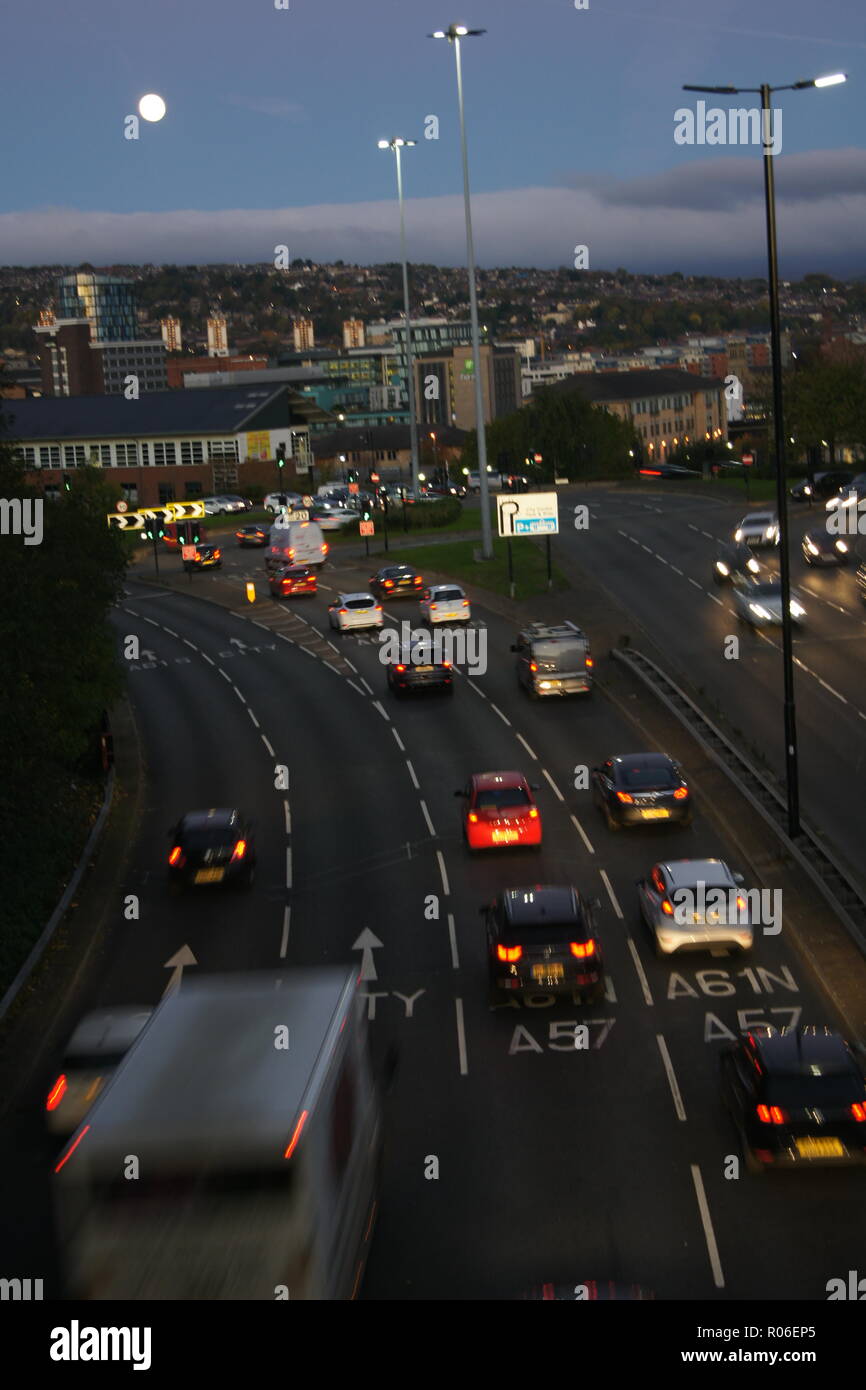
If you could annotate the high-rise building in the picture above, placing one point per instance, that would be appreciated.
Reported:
(217, 336)
(171, 335)
(304, 336)
(353, 333)
(106, 302)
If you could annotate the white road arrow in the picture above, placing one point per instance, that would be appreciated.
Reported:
(366, 943)
(176, 964)
(236, 642)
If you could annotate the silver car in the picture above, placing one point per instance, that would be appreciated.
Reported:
(93, 1053)
(758, 529)
(760, 604)
(695, 905)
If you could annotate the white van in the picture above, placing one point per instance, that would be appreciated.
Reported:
(296, 543)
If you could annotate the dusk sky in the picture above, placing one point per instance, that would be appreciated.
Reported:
(273, 117)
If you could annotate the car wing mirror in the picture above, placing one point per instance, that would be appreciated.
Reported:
(738, 878)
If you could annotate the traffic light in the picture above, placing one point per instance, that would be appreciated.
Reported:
(67, 482)
(281, 456)
(366, 514)
(352, 475)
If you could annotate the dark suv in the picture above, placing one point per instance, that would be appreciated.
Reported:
(823, 485)
(797, 1097)
(542, 940)
(210, 847)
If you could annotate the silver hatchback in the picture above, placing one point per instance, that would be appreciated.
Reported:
(695, 904)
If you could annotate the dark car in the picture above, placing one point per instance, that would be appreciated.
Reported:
(734, 562)
(252, 535)
(820, 548)
(797, 1098)
(206, 557)
(822, 486)
(421, 671)
(210, 847)
(397, 581)
(860, 577)
(292, 579)
(542, 940)
(640, 789)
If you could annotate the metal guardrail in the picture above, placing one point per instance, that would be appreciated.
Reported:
(830, 878)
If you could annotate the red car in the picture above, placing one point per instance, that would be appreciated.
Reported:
(292, 579)
(500, 810)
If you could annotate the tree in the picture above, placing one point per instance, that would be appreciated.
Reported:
(575, 438)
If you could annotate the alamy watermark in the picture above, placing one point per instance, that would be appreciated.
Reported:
(736, 126)
(22, 517)
(729, 907)
(465, 646)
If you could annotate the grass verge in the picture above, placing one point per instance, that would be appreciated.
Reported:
(457, 559)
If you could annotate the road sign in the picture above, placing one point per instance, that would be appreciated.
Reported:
(307, 501)
(530, 514)
(367, 528)
(354, 487)
(187, 552)
(748, 460)
(122, 506)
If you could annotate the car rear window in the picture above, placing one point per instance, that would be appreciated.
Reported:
(496, 798)
(447, 595)
(561, 656)
(359, 603)
(549, 931)
(210, 838)
(799, 1092)
(658, 776)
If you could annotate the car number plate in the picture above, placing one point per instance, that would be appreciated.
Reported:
(656, 813)
(209, 875)
(820, 1148)
(505, 836)
(425, 669)
(553, 971)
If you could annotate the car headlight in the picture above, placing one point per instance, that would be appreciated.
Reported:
(759, 611)
(842, 547)
(722, 568)
(770, 532)
(738, 534)
(753, 566)
(544, 685)
(797, 609)
(807, 491)
(811, 547)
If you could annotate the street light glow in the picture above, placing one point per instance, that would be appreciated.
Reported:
(151, 107)
(832, 81)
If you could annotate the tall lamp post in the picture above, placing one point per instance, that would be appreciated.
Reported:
(454, 33)
(765, 91)
(397, 144)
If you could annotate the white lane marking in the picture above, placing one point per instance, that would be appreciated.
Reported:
(832, 691)
(188, 643)
(331, 645)
(317, 629)
(224, 676)
(356, 687)
(253, 718)
(522, 740)
(661, 557)
(695, 582)
(477, 689)
(709, 1234)
(267, 745)
(708, 536)
(400, 744)
(611, 894)
(461, 1038)
(377, 704)
(171, 632)
(415, 783)
(553, 784)
(350, 665)
(289, 867)
(152, 621)
(367, 686)
(691, 527)
(430, 826)
(331, 667)
(242, 698)
(647, 548)
(634, 540)
(284, 942)
(445, 886)
(452, 937)
(671, 1075)
(715, 599)
(327, 588)
(582, 833)
(501, 715)
(641, 973)
(288, 812)
(208, 659)
(676, 570)
(622, 533)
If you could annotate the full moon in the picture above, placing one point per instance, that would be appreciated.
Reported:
(151, 107)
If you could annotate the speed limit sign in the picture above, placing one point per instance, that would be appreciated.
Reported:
(122, 506)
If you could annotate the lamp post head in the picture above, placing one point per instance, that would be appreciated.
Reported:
(455, 31)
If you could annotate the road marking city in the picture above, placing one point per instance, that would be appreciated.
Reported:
(208, 659)
(707, 535)
(400, 744)
(288, 813)
(624, 533)
(695, 582)
(445, 886)
(284, 942)
(356, 687)
(832, 691)
(477, 689)
(691, 527)
(350, 665)
(582, 833)
(461, 1038)
(253, 718)
(522, 740)
(671, 1075)
(715, 599)
(611, 894)
(678, 571)
(242, 698)
(327, 588)
(267, 745)
(289, 867)
(709, 1234)
(452, 936)
(188, 643)
(641, 973)
(224, 676)
(647, 548)
(331, 667)
(553, 784)
(367, 686)
(377, 704)
(171, 632)
(430, 825)
(152, 621)
(498, 711)
(415, 783)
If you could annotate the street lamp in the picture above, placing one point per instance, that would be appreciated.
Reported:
(454, 33)
(765, 91)
(397, 144)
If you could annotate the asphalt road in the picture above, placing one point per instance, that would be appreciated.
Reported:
(554, 1163)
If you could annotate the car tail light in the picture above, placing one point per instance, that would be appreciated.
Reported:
(858, 1111)
(290, 552)
(533, 813)
(177, 858)
(56, 1094)
(418, 580)
(217, 554)
(772, 1115)
(344, 610)
(447, 665)
(509, 953)
(626, 798)
(667, 907)
(741, 902)
(239, 850)
(466, 603)
(378, 608)
(590, 663)
(472, 818)
(533, 665)
(389, 583)
(681, 793)
(400, 668)
(582, 949)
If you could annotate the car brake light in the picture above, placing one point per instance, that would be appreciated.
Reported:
(378, 608)
(590, 663)
(177, 856)
(239, 850)
(581, 949)
(741, 902)
(466, 603)
(509, 953)
(389, 583)
(772, 1115)
(472, 817)
(533, 665)
(217, 554)
(667, 907)
(399, 668)
(344, 610)
(447, 665)
(858, 1111)
(681, 793)
(56, 1094)
(626, 798)
(533, 813)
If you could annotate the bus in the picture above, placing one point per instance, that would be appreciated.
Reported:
(235, 1153)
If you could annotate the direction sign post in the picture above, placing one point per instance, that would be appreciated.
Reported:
(530, 514)
(367, 529)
